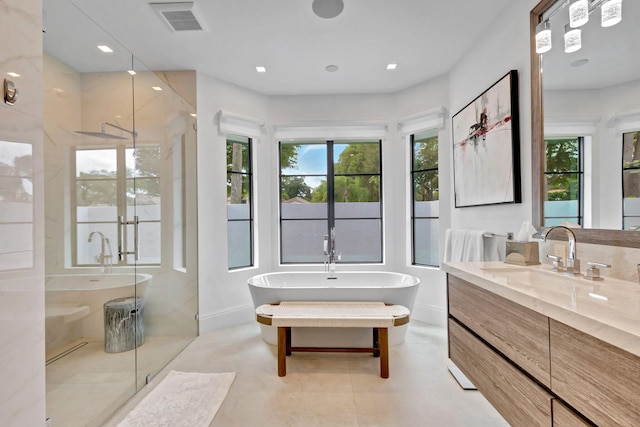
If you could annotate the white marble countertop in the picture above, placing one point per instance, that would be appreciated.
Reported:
(608, 310)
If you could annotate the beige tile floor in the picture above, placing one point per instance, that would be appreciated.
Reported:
(322, 389)
(86, 386)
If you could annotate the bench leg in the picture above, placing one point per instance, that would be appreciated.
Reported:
(376, 343)
(282, 350)
(383, 335)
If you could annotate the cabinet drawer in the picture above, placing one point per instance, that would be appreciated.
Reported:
(517, 398)
(565, 417)
(597, 379)
(520, 334)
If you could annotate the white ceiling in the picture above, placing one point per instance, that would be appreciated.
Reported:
(424, 37)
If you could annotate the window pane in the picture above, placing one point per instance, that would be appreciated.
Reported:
(631, 150)
(357, 210)
(88, 250)
(425, 150)
(632, 206)
(302, 241)
(426, 242)
(238, 211)
(303, 158)
(149, 242)
(239, 243)
(238, 154)
(562, 187)
(303, 197)
(93, 164)
(357, 158)
(357, 188)
(238, 189)
(631, 183)
(143, 161)
(631, 223)
(425, 186)
(562, 155)
(551, 222)
(426, 209)
(359, 240)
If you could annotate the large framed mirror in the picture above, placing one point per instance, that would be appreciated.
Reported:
(590, 96)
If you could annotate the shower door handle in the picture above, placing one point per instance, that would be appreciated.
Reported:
(136, 241)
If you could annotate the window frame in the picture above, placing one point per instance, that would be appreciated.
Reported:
(250, 175)
(331, 201)
(626, 169)
(414, 217)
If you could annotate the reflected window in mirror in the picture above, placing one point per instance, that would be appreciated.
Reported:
(563, 180)
(425, 209)
(239, 202)
(631, 180)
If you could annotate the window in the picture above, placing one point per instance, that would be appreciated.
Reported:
(563, 180)
(631, 180)
(109, 183)
(425, 209)
(325, 184)
(239, 202)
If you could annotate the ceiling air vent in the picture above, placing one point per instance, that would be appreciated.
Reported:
(179, 16)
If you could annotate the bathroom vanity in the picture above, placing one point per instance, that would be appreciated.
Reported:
(547, 349)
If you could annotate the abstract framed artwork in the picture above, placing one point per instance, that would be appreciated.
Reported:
(486, 147)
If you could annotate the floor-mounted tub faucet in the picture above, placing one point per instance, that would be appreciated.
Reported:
(573, 263)
(104, 259)
(330, 254)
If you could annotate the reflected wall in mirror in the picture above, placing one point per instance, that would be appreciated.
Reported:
(591, 94)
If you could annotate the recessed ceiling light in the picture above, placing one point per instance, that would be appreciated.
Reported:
(261, 69)
(332, 68)
(392, 66)
(156, 88)
(105, 48)
(133, 73)
(327, 9)
(194, 115)
(579, 62)
(12, 74)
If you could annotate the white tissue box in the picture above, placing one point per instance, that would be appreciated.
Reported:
(522, 253)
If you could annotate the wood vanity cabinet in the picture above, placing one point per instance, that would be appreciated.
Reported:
(521, 401)
(599, 380)
(563, 416)
(522, 335)
(535, 370)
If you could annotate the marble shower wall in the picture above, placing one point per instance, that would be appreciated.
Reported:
(22, 395)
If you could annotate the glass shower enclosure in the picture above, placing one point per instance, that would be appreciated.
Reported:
(120, 252)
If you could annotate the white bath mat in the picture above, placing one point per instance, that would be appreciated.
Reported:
(188, 399)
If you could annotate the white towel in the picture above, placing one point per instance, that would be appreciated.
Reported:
(464, 245)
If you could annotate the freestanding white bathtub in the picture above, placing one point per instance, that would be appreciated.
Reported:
(74, 304)
(388, 287)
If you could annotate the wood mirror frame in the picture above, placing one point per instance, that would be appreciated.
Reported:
(623, 238)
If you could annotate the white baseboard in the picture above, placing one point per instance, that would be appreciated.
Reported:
(431, 314)
(228, 317)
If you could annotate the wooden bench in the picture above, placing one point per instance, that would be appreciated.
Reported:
(308, 314)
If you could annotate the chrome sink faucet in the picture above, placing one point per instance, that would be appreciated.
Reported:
(573, 263)
(104, 259)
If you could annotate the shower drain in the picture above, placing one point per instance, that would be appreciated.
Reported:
(65, 353)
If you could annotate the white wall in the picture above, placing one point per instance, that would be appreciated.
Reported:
(504, 47)
(223, 295)
(22, 370)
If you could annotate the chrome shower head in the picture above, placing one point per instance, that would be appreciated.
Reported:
(104, 135)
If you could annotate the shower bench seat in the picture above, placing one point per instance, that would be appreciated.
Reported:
(309, 314)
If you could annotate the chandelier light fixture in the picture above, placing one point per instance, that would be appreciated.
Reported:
(579, 10)
(572, 39)
(543, 37)
(611, 12)
(578, 13)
